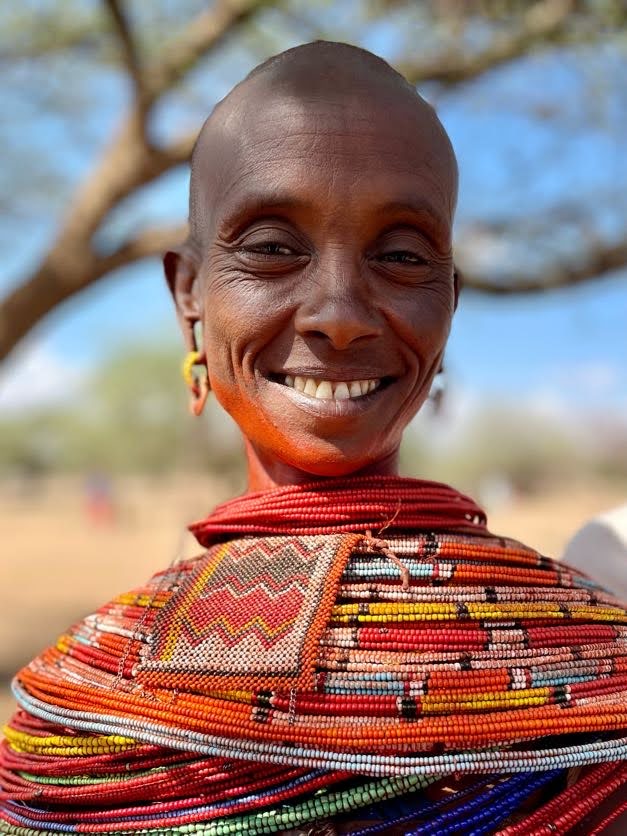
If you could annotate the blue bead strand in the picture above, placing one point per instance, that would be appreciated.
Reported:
(450, 820)
(507, 795)
(416, 807)
(493, 818)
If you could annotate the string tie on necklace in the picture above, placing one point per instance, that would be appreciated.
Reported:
(377, 544)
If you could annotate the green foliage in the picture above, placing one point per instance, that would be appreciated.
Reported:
(517, 447)
(130, 416)
(135, 410)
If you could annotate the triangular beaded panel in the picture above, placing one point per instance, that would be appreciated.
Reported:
(251, 613)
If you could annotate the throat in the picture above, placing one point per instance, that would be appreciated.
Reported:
(267, 472)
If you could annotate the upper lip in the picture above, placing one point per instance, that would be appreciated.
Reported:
(338, 375)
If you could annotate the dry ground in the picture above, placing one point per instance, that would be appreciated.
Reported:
(57, 566)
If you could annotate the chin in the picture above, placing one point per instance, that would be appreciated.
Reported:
(328, 460)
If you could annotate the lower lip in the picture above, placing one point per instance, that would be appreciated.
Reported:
(327, 408)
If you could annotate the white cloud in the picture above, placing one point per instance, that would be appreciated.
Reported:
(38, 376)
(593, 377)
(459, 408)
(481, 249)
(548, 402)
(462, 406)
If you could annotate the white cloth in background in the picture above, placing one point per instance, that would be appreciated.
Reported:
(599, 549)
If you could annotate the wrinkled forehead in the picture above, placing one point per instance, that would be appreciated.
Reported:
(280, 142)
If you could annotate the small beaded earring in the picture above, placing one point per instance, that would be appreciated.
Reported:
(196, 377)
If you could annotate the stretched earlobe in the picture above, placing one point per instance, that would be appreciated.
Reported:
(181, 271)
(196, 376)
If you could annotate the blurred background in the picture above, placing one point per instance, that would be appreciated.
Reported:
(101, 466)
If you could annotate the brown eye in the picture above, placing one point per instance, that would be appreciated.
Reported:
(270, 253)
(270, 248)
(403, 257)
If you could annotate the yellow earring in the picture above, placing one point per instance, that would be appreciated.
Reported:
(196, 377)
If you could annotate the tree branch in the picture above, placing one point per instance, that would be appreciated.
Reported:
(65, 273)
(204, 33)
(129, 162)
(49, 37)
(149, 242)
(597, 263)
(180, 150)
(546, 21)
(128, 48)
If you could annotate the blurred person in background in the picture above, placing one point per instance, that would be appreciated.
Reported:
(354, 652)
(99, 506)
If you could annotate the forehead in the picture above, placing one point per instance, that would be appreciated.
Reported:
(326, 148)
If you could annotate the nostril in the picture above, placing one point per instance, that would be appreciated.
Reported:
(338, 321)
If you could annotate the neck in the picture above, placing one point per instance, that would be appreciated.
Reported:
(265, 472)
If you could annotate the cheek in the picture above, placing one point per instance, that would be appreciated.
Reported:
(226, 317)
(253, 421)
(241, 317)
(423, 322)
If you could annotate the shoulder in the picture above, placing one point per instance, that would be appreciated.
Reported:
(110, 640)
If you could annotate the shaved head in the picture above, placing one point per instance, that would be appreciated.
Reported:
(346, 80)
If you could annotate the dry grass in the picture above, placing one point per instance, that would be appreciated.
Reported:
(57, 566)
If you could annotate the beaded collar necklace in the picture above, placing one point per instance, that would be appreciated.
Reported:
(341, 648)
(351, 504)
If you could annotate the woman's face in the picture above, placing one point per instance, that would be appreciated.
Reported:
(326, 280)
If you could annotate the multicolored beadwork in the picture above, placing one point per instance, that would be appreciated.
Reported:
(411, 680)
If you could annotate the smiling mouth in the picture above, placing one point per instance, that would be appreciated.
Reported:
(331, 390)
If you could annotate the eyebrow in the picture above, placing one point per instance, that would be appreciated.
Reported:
(435, 226)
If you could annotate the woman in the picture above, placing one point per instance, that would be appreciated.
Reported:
(354, 652)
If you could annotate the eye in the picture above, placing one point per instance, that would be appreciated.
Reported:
(403, 257)
(269, 243)
(402, 252)
(268, 248)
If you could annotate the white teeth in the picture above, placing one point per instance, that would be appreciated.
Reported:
(324, 390)
(341, 392)
(330, 390)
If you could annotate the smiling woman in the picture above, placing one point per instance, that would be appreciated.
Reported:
(354, 652)
(333, 216)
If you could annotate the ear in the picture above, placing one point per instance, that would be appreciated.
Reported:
(181, 271)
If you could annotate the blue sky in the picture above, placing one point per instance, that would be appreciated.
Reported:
(527, 138)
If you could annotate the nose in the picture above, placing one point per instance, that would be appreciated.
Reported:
(337, 307)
